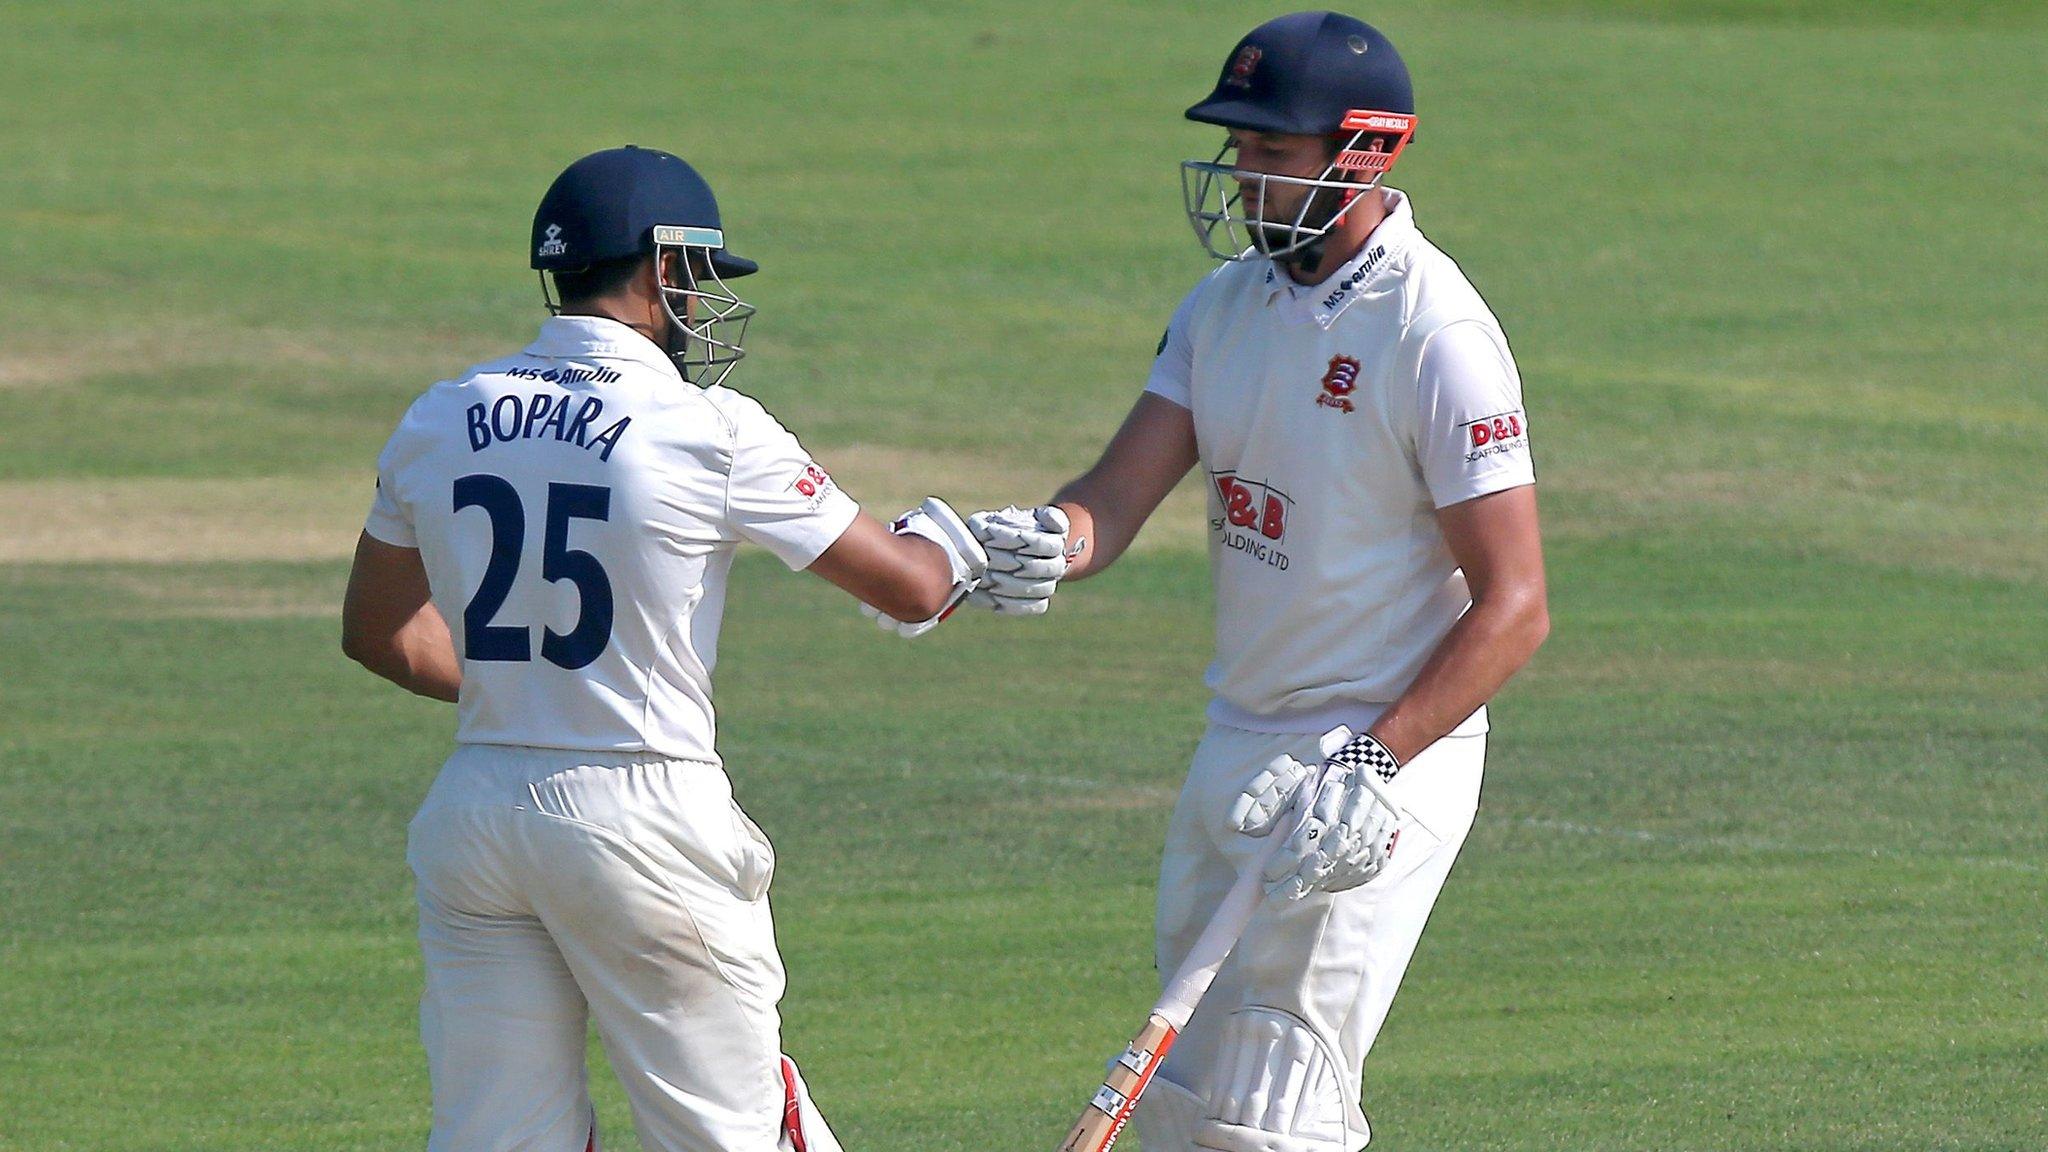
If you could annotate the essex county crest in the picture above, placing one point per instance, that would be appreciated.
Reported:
(1338, 383)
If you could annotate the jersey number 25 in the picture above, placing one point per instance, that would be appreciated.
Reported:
(483, 640)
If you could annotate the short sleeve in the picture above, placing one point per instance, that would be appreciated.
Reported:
(389, 519)
(1471, 431)
(776, 495)
(1173, 364)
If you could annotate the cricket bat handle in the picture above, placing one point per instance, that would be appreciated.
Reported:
(1103, 1120)
(1205, 958)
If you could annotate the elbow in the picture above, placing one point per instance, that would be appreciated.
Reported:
(907, 608)
(354, 647)
(934, 601)
(358, 633)
(919, 599)
(920, 586)
(1520, 620)
(379, 656)
(1535, 622)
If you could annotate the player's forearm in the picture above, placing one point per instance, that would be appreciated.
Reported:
(907, 577)
(1489, 644)
(1095, 526)
(923, 581)
(432, 669)
(419, 657)
(1107, 504)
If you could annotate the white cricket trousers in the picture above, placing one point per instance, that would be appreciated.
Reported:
(1273, 1058)
(557, 886)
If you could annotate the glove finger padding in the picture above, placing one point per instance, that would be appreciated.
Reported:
(1008, 605)
(1012, 586)
(1306, 856)
(1352, 814)
(1028, 567)
(1271, 791)
(1346, 840)
(1026, 558)
(1275, 790)
(1353, 847)
(1033, 532)
(1025, 541)
(1346, 833)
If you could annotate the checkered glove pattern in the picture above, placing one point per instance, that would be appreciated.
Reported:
(1365, 752)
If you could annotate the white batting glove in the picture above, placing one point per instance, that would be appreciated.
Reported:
(1027, 555)
(936, 521)
(1270, 793)
(1347, 836)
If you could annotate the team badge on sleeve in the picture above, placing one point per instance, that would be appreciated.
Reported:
(813, 484)
(1495, 435)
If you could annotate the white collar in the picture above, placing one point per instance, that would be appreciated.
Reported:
(1326, 301)
(597, 338)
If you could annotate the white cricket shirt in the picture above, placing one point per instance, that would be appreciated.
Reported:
(1333, 422)
(577, 507)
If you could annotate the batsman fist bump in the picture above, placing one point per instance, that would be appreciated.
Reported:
(1344, 837)
(935, 520)
(1027, 555)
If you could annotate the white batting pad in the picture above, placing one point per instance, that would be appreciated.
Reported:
(1276, 1089)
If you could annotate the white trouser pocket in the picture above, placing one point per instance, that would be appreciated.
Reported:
(756, 856)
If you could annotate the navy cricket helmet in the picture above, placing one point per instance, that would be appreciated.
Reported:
(1310, 74)
(633, 201)
(1303, 73)
(608, 204)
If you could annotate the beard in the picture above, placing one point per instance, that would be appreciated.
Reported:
(1270, 235)
(675, 338)
(676, 342)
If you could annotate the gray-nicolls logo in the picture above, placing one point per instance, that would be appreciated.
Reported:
(553, 245)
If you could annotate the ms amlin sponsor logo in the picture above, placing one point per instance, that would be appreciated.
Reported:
(1253, 518)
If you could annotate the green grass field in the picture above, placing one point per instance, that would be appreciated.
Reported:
(1763, 860)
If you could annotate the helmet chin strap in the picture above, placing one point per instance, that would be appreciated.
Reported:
(1309, 257)
(675, 334)
(675, 344)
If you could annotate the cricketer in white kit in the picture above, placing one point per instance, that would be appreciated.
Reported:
(549, 547)
(1376, 561)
